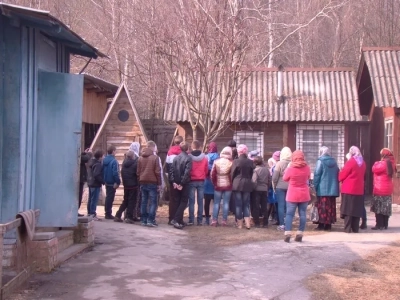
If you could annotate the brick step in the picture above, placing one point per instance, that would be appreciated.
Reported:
(71, 251)
(65, 239)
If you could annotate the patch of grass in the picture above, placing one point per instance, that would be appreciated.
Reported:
(375, 277)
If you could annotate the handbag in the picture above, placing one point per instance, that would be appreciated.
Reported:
(313, 195)
(314, 217)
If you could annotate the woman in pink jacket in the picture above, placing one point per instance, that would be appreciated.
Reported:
(298, 194)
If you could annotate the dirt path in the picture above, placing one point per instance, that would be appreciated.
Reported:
(134, 262)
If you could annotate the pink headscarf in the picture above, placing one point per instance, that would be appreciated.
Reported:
(276, 155)
(242, 149)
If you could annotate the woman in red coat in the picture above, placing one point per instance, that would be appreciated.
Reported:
(298, 195)
(383, 188)
(352, 178)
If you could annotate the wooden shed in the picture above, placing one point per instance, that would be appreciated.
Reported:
(40, 116)
(378, 83)
(120, 127)
(318, 107)
(96, 93)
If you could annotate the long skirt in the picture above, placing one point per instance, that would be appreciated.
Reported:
(382, 205)
(352, 206)
(326, 210)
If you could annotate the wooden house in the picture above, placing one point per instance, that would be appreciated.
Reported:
(40, 116)
(317, 107)
(96, 93)
(378, 83)
(120, 127)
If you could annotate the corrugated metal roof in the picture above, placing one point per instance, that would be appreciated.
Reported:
(384, 69)
(52, 27)
(100, 83)
(326, 95)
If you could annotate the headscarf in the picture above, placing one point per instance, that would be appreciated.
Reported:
(276, 156)
(212, 147)
(135, 148)
(232, 144)
(298, 160)
(286, 154)
(242, 149)
(356, 153)
(253, 154)
(324, 151)
(271, 162)
(226, 153)
(387, 155)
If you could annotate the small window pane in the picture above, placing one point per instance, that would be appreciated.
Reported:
(310, 135)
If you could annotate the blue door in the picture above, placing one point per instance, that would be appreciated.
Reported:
(59, 122)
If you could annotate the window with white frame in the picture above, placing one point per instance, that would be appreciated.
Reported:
(310, 138)
(254, 140)
(389, 133)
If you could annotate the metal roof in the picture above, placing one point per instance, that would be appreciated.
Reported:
(50, 26)
(99, 83)
(384, 70)
(325, 95)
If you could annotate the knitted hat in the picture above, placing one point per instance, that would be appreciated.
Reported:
(232, 143)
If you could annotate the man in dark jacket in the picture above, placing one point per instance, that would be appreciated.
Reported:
(130, 182)
(111, 179)
(85, 157)
(180, 177)
(149, 175)
(95, 181)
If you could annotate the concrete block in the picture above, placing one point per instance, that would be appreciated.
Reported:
(85, 219)
(42, 236)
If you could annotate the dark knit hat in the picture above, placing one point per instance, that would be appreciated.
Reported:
(231, 143)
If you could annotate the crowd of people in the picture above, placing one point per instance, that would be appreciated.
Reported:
(239, 181)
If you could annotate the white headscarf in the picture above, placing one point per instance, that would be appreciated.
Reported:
(324, 151)
(135, 148)
(286, 154)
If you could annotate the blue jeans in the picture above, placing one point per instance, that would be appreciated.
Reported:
(226, 196)
(199, 186)
(110, 195)
(291, 210)
(94, 193)
(149, 194)
(242, 201)
(281, 199)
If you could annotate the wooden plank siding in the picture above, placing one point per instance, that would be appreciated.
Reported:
(94, 107)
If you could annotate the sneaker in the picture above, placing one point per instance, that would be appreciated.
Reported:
(199, 224)
(95, 218)
(280, 228)
(224, 223)
(152, 224)
(136, 219)
(80, 215)
(190, 223)
(214, 223)
(207, 222)
(118, 219)
(128, 221)
(171, 222)
(143, 224)
(178, 226)
(109, 217)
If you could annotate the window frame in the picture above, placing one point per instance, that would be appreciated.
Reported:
(387, 135)
(252, 134)
(321, 127)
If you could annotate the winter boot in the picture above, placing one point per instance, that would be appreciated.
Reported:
(239, 224)
(363, 224)
(247, 222)
(288, 235)
(299, 236)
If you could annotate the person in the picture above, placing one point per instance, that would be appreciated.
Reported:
(232, 145)
(111, 179)
(95, 180)
(383, 171)
(327, 188)
(253, 154)
(280, 186)
(173, 152)
(85, 157)
(180, 171)
(130, 182)
(212, 155)
(221, 179)
(352, 179)
(149, 176)
(272, 201)
(197, 177)
(242, 173)
(262, 181)
(297, 174)
(135, 148)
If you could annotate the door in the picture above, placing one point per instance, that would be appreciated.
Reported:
(59, 119)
